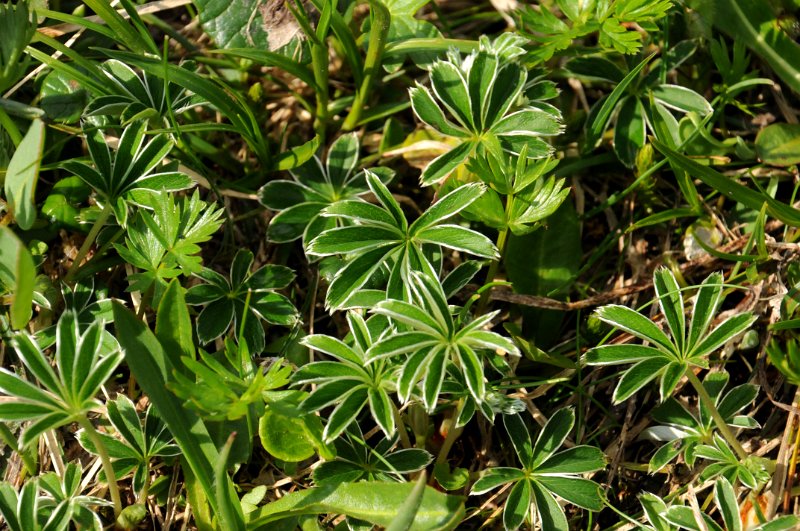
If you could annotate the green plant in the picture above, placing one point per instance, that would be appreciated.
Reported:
(467, 200)
(478, 94)
(314, 187)
(69, 393)
(612, 20)
(672, 358)
(138, 442)
(545, 473)
(243, 302)
(164, 242)
(358, 461)
(683, 430)
(381, 237)
(432, 339)
(351, 380)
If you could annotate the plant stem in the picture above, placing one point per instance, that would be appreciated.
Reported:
(401, 427)
(87, 243)
(377, 41)
(27, 459)
(11, 128)
(452, 434)
(108, 468)
(495, 265)
(723, 427)
(319, 62)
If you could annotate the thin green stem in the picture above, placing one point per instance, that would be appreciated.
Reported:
(401, 427)
(8, 438)
(319, 63)
(11, 128)
(452, 434)
(87, 243)
(722, 426)
(108, 468)
(377, 41)
(493, 268)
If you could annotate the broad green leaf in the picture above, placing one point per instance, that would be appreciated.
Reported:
(620, 354)
(18, 275)
(706, 303)
(297, 155)
(520, 438)
(332, 347)
(344, 414)
(670, 299)
(448, 206)
(284, 437)
(353, 276)
(736, 399)
(375, 502)
(729, 329)
(382, 409)
(552, 436)
(492, 478)
(407, 512)
(669, 380)
(630, 131)
(636, 324)
(725, 499)
(637, 377)
(517, 505)
(550, 512)
(23, 173)
(429, 112)
(779, 144)
(174, 325)
(575, 460)
(681, 99)
(450, 88)
(248, 24)
(444, 164)
(460, 239)
(544, 263)
(578, 491)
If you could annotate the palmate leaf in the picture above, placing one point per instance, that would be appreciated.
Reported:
(682, 430)
(670, 357)
(249, 298)
(164, 243)
(350, 383)
(545, 474)
(315, 185)
(131, 166)
(380, 236)
(82, 367)
(433, 340)
(471, 100)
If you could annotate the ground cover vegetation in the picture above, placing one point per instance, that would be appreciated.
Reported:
(404, 264)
